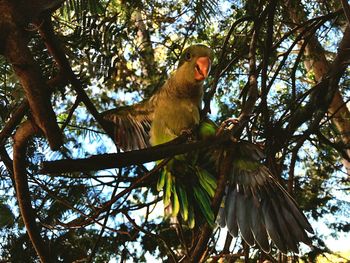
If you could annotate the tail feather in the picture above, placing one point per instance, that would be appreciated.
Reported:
(230, 208)
(243, 218)
(260, 207)
(259, 231)
(269, 218)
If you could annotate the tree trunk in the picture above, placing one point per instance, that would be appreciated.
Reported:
(315, 61)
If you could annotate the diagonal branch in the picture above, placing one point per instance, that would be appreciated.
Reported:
(346, 9)
(6, 159)
(322, 96)
(54, 47)
(206, 231)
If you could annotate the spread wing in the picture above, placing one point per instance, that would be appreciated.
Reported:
(259, 208)
(131, 125)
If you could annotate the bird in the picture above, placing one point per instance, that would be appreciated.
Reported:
(171, 110)
(255, 204)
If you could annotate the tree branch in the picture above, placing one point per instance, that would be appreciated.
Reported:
(23, 134)
(5, 158)
(218, 73)
(157, 237)
(53, 45)
(323, 92)
(28, 72)
(118, 160)
(346, 9)
(21, 110)
(206, 231)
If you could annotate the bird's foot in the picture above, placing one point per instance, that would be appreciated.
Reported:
(227, 124)
(188, 134)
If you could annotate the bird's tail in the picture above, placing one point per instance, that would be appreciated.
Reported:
(187, 189)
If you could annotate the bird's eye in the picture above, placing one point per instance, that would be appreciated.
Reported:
(188, 56)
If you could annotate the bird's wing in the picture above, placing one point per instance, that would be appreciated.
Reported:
(131, 125)
(259, 208)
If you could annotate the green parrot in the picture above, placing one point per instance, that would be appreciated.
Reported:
(255, 204)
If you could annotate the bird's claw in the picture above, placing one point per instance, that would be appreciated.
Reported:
(228, 124)
(188, 134)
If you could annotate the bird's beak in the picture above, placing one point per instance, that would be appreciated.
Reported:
(202, 68)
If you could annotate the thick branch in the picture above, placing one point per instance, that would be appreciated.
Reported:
(18, 114)
(118, 160)
(23, 134)
(28, 72)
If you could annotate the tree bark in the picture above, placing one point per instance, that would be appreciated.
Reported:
(14, 47)
(23, 134)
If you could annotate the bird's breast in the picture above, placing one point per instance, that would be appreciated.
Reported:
(171, 118)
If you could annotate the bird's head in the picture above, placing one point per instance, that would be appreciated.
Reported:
(195, 64)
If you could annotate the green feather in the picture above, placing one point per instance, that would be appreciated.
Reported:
(206, 180)
(244, 164)
(207, 129)
(175, 201)
(161, 180)
(183, 202)
(203, 201)
(168, 187)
